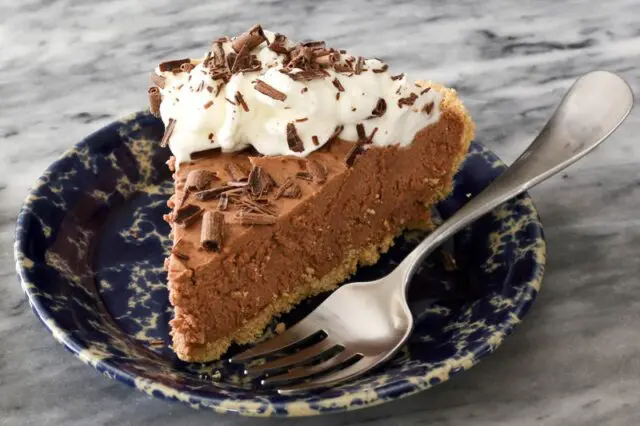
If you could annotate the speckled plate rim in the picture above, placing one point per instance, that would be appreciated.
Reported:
(332, 404)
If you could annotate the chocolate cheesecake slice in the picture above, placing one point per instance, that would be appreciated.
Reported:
(293, 164)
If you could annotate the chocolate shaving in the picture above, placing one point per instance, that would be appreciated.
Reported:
(168, 132)
(199, 180)
(155, 98)
(427, 108)
(223, 203)
(343, 67)
(304, 90)
(425, 90)
(269, 91)
(315, 140)
(259, 181)
(397, 77)
(212, 230)
(208, 105)
(370, 138)
(219, 88)
(236, 172)
(205, 62)
(355, 150)
(249, 40)
(237, 184)
(173, 65)
(230, 59)
(304, 176)
(220, 74)
(338, 85)
(336, 133)
(157, 80)
(408, 100)
(179, 254)
(380, 109)
(293, 140)
(383, 69)
(186, 215)
(362, 135)
(209, 89)
(317, 170)
(359, 65)
(252, 206)
(245, 218)
(289, 189)
(187, 67)
(243, 62)
(212, 194)
(314, 43)
(240, 100)
(218, 55)
(230, 101)
(278, 44)
(308, 75)
(327, 58)
(337, 96)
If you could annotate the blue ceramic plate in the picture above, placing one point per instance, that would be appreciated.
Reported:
(89, 250)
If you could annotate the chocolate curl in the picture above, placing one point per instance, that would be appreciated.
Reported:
(157, 80)
(199, 180)
(427, 108)
(236, 172)
(244, 218)
(173, 65)
(327, 59)
(249, 40)
(211, 233)
(380, 109)
(293, 140)
(218, 55)
(317, 170)
(383, 69)
(337, 84)
(186, 215)
(359, 65)
(270, 91)
(212, 194)
(168, 131)
(187, 67)
(409, 100)
(155, 98)
(259, 181)
(278, 44)
(289, 189)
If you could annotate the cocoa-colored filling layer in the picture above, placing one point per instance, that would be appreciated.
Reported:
(215, 293)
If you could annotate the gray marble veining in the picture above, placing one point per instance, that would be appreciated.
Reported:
(69, 67)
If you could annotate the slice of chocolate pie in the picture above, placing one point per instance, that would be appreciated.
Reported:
(294, 164)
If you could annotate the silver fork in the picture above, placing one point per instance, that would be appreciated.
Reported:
(365, 323)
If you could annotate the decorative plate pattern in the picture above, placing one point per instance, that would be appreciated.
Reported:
(89, 250)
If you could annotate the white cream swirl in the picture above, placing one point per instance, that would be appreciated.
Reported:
(204, 120)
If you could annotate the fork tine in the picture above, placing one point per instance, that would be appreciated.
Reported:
(329, 380)
(303, 372)
(305, 355)
(295, 334)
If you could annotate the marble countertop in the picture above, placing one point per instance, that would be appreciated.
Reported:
(69, 67)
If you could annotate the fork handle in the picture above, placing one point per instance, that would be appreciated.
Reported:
(592, 109)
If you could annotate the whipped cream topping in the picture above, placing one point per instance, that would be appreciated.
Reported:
(208, 111)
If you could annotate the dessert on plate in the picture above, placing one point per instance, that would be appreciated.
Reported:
(294, 163)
